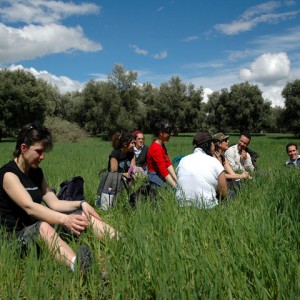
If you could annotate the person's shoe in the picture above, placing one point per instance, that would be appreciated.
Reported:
(84, 258)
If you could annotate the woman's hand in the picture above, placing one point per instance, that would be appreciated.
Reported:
(76, 223)
(88, 211)
(245, 175)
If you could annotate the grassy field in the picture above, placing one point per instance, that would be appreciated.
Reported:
(248, 248)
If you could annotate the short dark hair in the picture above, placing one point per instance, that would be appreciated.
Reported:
(246, 134)
(31, 134)
(162, 126)
(290, 144)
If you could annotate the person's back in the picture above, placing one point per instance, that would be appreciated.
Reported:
(197, 175)
(201, 176)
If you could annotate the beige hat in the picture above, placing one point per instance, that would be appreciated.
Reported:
(220, 136)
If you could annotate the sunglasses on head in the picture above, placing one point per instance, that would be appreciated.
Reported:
(37, 127)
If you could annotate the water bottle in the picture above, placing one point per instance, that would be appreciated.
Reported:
(98, 201)
(110, 193)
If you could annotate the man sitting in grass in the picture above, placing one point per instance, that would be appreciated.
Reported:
(237, 155)
(201, 177)
(292, 152)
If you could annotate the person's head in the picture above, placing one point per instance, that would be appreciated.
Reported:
(205, 141)
(139, 139)
(123, 141)
(162, 130)
(222, 141)
(32, 142)
(244, 140)
(292, 150)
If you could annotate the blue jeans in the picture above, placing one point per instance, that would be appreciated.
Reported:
(155, 180)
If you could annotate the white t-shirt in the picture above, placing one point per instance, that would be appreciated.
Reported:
(197, 176)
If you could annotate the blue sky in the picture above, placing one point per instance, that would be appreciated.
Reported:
(212, 44)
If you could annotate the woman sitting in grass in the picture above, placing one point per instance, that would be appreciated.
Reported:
(122, 156)
(160, 169)
(221, 145)
(23, 188)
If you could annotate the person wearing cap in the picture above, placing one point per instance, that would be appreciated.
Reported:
(221, 145)
(140, 149)
(237, 155)
(201, 177)
(160, 169)
(292, 152)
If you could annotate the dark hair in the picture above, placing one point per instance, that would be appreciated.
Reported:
(206, 147)
(31, 134)
(290, 144)
(121, 139)
(246, 134)
(162, 126)
(217, 147)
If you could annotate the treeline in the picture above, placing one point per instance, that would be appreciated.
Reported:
(121, 103)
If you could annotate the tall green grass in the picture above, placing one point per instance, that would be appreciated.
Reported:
(247, 248)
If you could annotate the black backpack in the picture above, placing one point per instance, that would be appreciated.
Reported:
(72, 189)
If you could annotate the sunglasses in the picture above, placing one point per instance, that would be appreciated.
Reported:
(37, 127)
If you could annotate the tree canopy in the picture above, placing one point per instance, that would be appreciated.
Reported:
(120, 103)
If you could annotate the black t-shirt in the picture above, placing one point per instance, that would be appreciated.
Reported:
(124, 160)
(12, 216)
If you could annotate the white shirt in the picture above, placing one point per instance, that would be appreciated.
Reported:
(197, 176)
(137, 152)
(235, 160)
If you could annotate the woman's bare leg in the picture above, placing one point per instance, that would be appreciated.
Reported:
(101, 229)
(58, 248)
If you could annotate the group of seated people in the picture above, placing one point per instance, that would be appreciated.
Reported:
(201, 179)
(214, 170)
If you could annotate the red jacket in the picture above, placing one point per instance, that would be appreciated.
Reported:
(158, 160)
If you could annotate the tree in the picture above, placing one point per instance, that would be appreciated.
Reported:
(127, 87)
(291, 93)
(148, 107)
(218, 116)
(276, 121)
(241, 108)
(181, 104)
(24, 99)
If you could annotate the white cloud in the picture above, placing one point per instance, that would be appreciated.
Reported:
(268, 69)
(138, 50)
(43, 11)
(273, 94)
(190, 38)
(255, 15)
(163, 54)
(34, 41)
(63, 83)
(206, 93)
